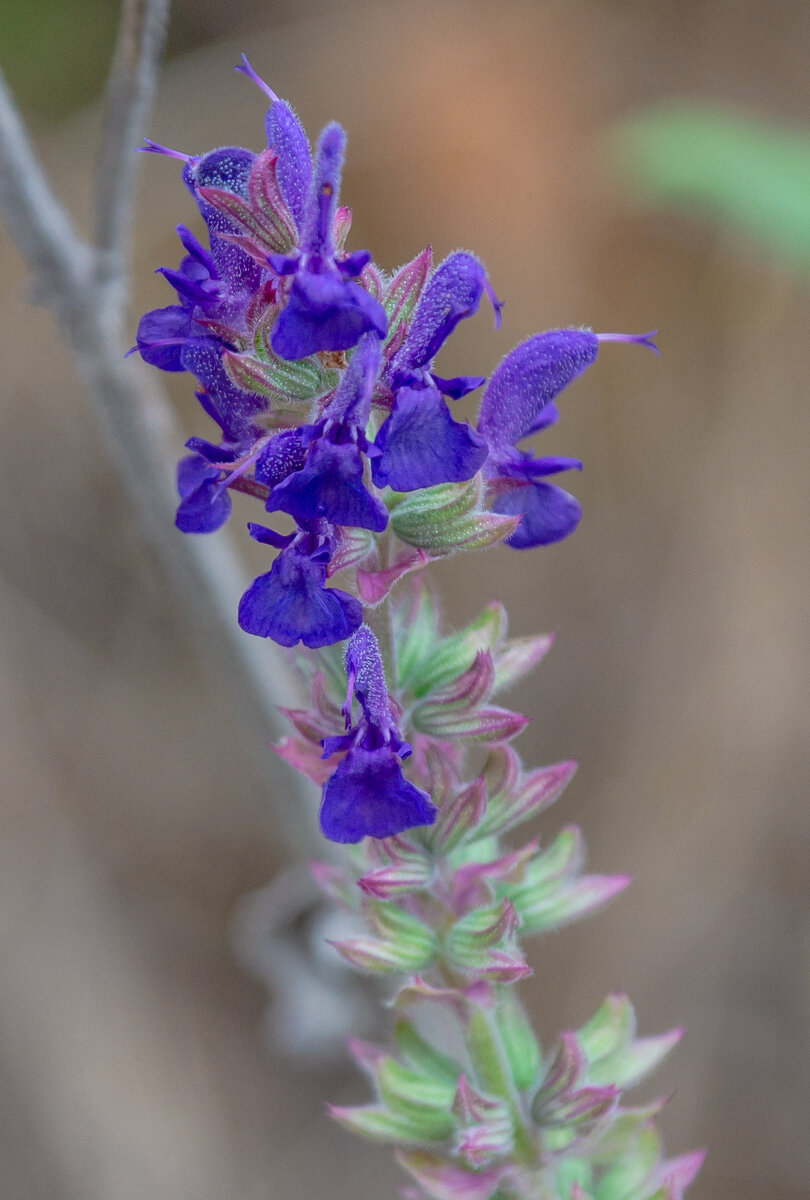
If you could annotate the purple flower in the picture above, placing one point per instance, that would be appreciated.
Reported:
(163, 332)
(290, 603)
(368, 796)
(326, 309)
(420, 444)
(453, 292)
(233, 409)
(519, 401)
(204, 506)
(330, 483)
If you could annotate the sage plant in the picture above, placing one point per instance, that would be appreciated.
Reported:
(316, 366)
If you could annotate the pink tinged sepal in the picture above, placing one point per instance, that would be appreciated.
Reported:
(453, 655)
(397, 879)
(518, 657)
(560, 1101)
(420, 1054)
(553, 893)
(400, 294)
(584, 1107)
(463, 693)
(472, 883)
(341, 225)
(354, 546)
(444, 1181)
(253, 375)
(423, 1098)
(524, 798)
(263, 219)
(374, 586)
(483, 944)
(486, 724)
(485, 1126)
(373, 956)
(308, 724)
(459, 816)
(676, 1175)
(566, 1069)
(458, 1000)
(614, 1053)
(379, 1124)
(450, 517)
(366, 1055)
(336, 884)
(416, 630)
(403, 944)
(304, 757)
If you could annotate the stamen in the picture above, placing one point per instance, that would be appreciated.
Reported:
(639, 339)
(247, 69)
(156, 148)
(241, 467)
(497, 304)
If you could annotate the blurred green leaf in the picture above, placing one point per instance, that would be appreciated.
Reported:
(751, 174)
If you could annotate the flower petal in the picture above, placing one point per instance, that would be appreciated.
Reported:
(204, 507)
(368, 796)
(330, 486)
(420, 444)
(528, 379)
(325, 312)
(548, 514)
(290, 604)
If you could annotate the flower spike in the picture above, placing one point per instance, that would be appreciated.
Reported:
(317, 367)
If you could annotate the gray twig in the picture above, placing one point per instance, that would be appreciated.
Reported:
(35, 218)
(86, 287)
(130, 89)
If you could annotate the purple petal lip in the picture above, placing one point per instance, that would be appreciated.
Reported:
(203, 506)
(325, 312)
(367, 796)
(330, 486)
(420, 445)
(290, 604)
(548, 514)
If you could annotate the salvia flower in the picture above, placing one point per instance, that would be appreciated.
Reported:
(326, 308)
(291, 603)
(420, 444)
(368, 796)
(518, 401)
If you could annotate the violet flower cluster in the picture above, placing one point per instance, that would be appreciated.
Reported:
(317, 366)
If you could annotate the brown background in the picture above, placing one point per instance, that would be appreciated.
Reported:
(134, 818)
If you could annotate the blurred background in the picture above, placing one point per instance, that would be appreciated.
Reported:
(615, 163)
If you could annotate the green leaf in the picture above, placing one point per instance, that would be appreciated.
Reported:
(750, 173)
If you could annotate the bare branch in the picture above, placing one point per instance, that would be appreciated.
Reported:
(35, 218)
(130, 89)
(86, 287)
